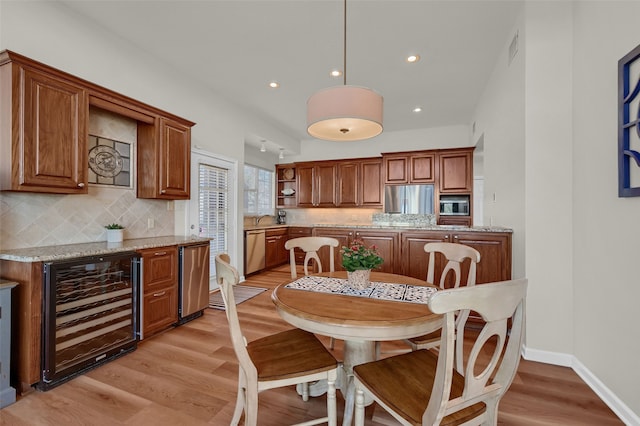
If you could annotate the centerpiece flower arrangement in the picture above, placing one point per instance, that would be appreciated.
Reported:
(359, 260)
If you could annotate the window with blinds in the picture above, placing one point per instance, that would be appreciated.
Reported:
(213, 208)
(258, 190)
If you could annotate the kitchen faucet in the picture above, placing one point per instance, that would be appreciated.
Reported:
(258, 218)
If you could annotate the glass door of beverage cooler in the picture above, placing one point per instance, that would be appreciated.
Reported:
(89, 314)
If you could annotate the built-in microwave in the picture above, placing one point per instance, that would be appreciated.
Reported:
(454, 205)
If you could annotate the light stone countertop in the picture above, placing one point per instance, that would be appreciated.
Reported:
(391, 226)
(7, 284)
(69, 251)
(401, 226)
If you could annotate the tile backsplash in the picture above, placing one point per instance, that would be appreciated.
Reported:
(32, 220)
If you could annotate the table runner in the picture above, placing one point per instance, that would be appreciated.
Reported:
(377, 290)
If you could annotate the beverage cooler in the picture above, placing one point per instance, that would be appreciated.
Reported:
(89, 314)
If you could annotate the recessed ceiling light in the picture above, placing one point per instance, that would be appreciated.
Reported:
(263, 147)
(274, 84)
(417, 109)
(413, 58)
(336, 73)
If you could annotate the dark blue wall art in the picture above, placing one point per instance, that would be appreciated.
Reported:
(629, 124)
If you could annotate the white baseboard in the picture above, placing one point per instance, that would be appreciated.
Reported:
(608, 397)
(554, 358)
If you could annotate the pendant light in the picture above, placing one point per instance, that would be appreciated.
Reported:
(344, 113)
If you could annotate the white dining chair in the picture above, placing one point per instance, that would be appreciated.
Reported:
(278, 360)
(310, 246)
(455, 255)
(427, 388)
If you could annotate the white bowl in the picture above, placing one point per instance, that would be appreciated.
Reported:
(288, 191)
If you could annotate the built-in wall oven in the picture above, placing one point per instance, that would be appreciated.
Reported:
(89, 314)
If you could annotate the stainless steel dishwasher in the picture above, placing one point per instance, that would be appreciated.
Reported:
(254, 251)
(194, 281)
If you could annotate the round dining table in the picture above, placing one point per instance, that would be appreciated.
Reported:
(359, 321)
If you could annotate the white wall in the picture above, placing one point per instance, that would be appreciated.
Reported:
(548, 174)
(549, 126)
(605, 227)
(499, 124)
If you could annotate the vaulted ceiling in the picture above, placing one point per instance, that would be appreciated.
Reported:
(238, 47)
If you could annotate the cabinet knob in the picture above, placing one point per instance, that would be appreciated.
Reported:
(446, 237)
(164, 191)
(455, 237)
(81, 185)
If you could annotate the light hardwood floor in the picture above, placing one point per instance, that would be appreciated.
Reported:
(187, 376)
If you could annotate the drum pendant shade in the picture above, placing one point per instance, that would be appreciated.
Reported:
(345, 113)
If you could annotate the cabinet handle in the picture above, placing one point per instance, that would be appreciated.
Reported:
(271, 241)
(162, 293)
(164, 191)
(160, 253)
(81, 185)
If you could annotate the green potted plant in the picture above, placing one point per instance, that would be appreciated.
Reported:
(115, 233)
(359, 260)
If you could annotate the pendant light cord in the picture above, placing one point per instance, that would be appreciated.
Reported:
(344, 59)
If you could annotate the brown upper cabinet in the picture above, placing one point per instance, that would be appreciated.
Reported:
(353, 182)
(44, 115)
(316, 184)
(409, 167)
(456, 170)
(359, 183)
(164, 160)
(43, 129)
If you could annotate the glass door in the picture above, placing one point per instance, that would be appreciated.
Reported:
(212, 209)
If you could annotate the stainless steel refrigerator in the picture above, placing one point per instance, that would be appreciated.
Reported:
(194, 281)
(408, 199)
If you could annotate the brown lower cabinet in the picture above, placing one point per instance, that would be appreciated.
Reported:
(403, 251)
(275, 253)
(296, 232)
(494, 248)
(159, 289)
(387, 242)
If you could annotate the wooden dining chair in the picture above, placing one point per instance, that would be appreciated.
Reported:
(310, 246)
(427, 388)
(282, 359)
